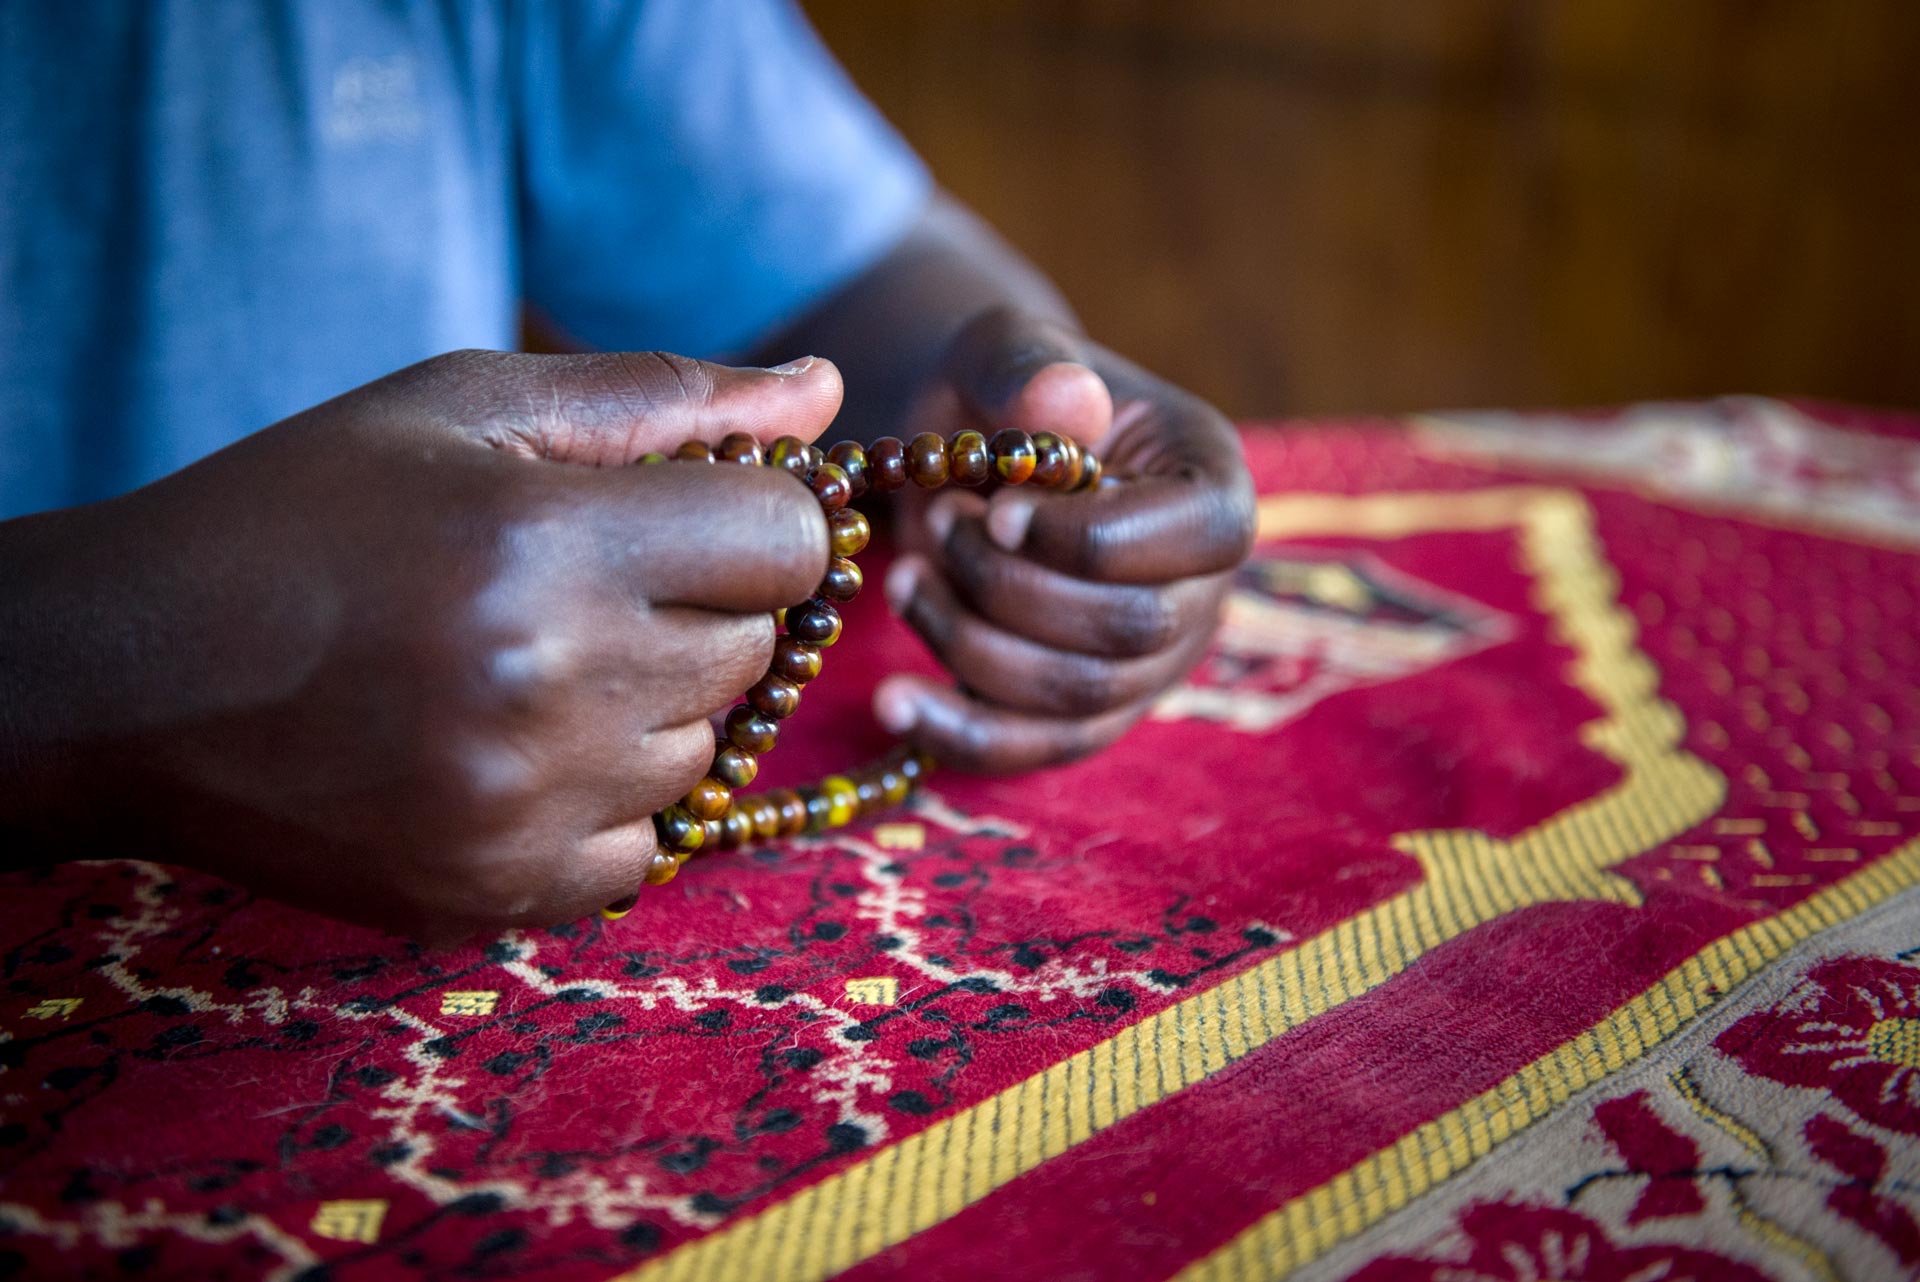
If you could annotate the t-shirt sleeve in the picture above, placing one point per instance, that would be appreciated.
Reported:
(695, 174)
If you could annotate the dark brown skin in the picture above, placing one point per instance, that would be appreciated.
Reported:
(425, 656)
(428, 656)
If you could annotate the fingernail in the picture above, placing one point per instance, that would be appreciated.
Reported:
(903, 576)
(894, 708)
(1007, 521)
(791, 368)
(941, 514)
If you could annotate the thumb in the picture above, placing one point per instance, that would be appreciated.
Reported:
(608, 409)
(1015, 369)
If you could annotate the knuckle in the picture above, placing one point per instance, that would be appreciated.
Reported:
(663, 378)
(1142, 622)
(1084, 686)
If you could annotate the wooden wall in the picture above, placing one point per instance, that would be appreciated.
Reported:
(1356, 205)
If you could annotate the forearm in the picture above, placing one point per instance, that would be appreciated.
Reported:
(888, 330)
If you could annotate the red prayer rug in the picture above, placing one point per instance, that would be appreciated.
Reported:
(1522, 889)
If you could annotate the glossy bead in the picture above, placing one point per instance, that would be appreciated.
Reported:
(843, 800)
(764, 817)
(850, 458)
(651, 456)
(1012, 455)
(735, 766)
(968, 462)
(830, 487)
(927, 461)
(894, 786)
(774, 696)
(695, 451)
(886, 465)
(753, 730)
(818, 808)
(1049, 459)
(1076, 461)
(716, 835)
(678, 830)
(816, 622)
(620, 907)
(842, 581)
(739, 447)
(1089, 473)
(868, 789)
(790, 453)
(739, 829)
(709, 799)
(913, 768)
(794, 660)
(660, 869)
(793, 811)
(848, 532)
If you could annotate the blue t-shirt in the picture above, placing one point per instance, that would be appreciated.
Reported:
(214, 213)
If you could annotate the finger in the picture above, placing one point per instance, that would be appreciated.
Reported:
(1013, 672)
(1056, 610)
(970, 735)
(1014, 369)
(699, 661)
(609, 408)
(1183, 506)
(727, 538)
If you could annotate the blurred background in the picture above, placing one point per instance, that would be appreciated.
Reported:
(1325, 206)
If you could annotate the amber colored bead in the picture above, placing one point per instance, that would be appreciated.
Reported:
(818, 808)
(739, 828)
(894, 786)
(843, 800)
(1076, 461)
(816, 622)
(735, 766)
(752, 729)
(764, 817)
(652, 456)
(868, 789)
(774, 696)
(793, 811)
(886, 465)
(842, 581)
(912, 768)
(695, 451)
(789, 452)
(848, 532)
(830, 486)
(927, 461)
(850, 458)
(620, 907)
(739, 447)
(709, 799)
(1013, 456)
(1089, 474)
(794, 660)
(716, 835)
(968, 462)
(1049, 459)
(678, 830)
(660, 869)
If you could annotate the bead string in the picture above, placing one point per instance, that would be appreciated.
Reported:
(717, 814)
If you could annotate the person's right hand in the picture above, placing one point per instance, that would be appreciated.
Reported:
(427, 656)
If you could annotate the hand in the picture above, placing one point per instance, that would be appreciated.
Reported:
(426, 656)
(1063, 616)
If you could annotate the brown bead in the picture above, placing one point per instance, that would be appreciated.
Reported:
(1076, 461)
(752, 729)
(819, 809)
(774, 696)
(739, 828)
(716, 834)
(842, 581)
(739, 447)
(850, 458)
(795, 660)
(886, 465)
(816, 622)
(1049, 459)
(967, 460)
(894, 786)
(867, 789)
(709, 799)
(660, 869)
(678, 830)
(830, 486)
(792, 808)
(927, 461)
(764, 816)
(652, 456)
(1089, 474)
(912, 768)
(620, 907)
(1013, 458)
(789, 452)
(735, 766)
(695, 451)
(848, 532)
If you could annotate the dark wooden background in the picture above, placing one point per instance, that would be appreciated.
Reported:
(1355, 205)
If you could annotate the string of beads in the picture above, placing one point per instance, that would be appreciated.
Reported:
(717, 814)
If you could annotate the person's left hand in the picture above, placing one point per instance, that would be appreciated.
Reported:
(1063, 616)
